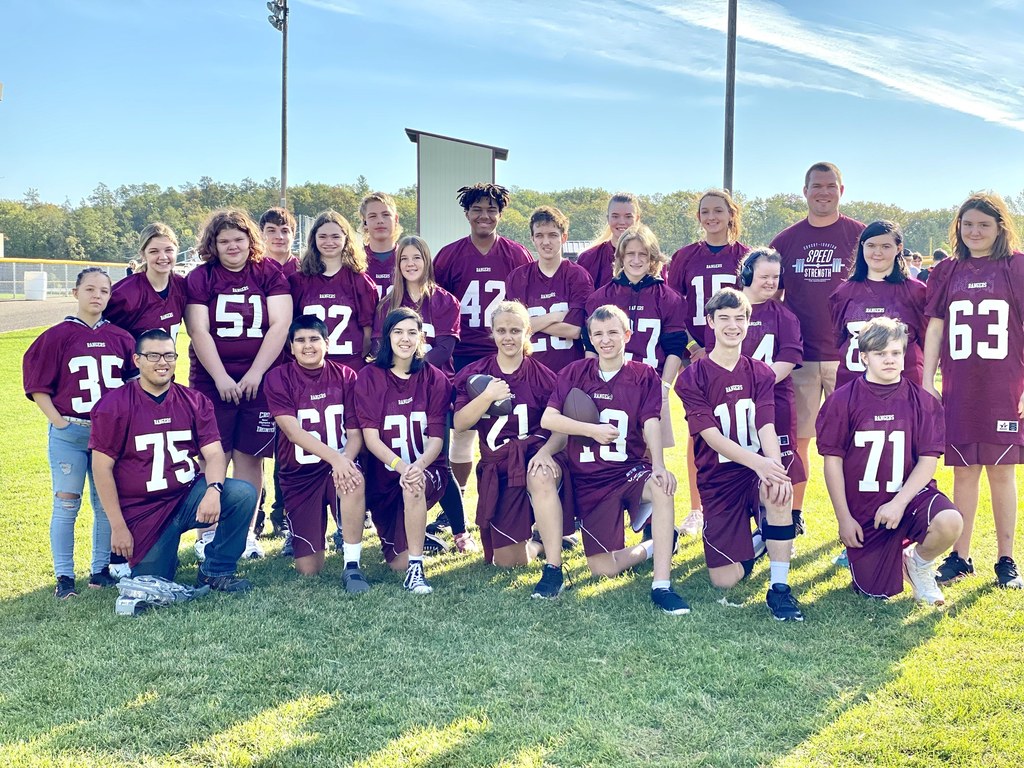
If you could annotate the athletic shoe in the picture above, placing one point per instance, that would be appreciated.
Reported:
(119, 570)
(440, 524)
(223, 583)
(434, 545)
(842, 560)
(782, 603)
(1007, 574)
(253, 550)
(102, 579)
(954, 568)
(798, 522)
(65, 588)
(922, 579)
(200, 545)
(465, 543)
(416, 581)
(288, 548)
(669, 602)
(570, 542)
(693, 525)
(551, 583)
(354, 581)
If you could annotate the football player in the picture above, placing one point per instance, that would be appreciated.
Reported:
(381, 231)
(623, 212)
(277, 225)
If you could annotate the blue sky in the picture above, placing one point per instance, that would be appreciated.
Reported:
(918, 102)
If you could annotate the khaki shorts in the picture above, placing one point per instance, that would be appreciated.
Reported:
(809, 382)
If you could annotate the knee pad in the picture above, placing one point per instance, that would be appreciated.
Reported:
(778, 532)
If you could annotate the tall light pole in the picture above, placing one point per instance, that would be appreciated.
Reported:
(279, 21)
(730, 96)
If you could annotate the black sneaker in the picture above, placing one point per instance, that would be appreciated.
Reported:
(440, 524)
(954, 568)
(782, 603)
(65, 588)
(353, 580)
(337, 541)
(102, 579)
(224, 583)
(1007, 574)
(669, 602)
(798, 522)
(434, 545)
(416, 581)
(551, 583)
(288, 548)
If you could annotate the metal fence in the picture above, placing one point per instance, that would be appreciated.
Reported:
(60, 275)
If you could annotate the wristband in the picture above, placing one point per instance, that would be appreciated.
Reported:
(394, 462)
(666, 385)
(693, 345)
(218, 487)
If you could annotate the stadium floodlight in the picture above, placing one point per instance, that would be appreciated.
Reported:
(279, 20)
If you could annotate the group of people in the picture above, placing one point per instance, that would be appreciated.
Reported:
(369, 368)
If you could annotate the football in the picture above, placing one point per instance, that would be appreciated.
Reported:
(579, 406)
(475, 387)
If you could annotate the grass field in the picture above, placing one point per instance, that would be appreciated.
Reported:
(477, 674)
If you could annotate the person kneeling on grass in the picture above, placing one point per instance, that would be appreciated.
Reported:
(146, 439)
(881, 436)
(607, 463)
(312, 399)
(402, 402)
(520, 467)
(730, 408)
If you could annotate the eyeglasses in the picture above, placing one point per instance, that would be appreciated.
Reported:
(156, 357)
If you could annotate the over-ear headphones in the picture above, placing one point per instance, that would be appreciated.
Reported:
(747, 269)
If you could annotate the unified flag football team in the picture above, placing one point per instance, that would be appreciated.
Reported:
(368, 368)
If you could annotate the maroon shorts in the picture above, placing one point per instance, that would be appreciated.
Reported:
(730, 500)
(599, 506)
(791, 459)
(389, 508)
(306, 502)
(877, 567)
(983, 454)
(247, 427)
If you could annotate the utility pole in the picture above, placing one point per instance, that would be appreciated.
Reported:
(279, 21)
(730, 96)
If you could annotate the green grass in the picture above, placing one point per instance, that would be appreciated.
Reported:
(478, 674)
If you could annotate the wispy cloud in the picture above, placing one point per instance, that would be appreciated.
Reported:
(347, 7)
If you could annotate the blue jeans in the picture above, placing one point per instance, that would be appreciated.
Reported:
(70, 464)
(236, 506)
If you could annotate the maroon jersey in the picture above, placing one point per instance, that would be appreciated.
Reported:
(854, 303)
(345, 301)
(135, 306)
(290, 266)
(653, 311)
(441, 317)
(565, 291)
(598, 260)
(814, 260)
(478, 282)
(237, 306)
(737, 403)
(404, 411)
(380, 270)
(530, 384)
(76, 365)
(880, 431)
(982, 304)
(154, 446)
(626, 402)
(323, 402)
(697, 273)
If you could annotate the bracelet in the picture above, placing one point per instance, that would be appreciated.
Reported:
(693, 345)
(394, 462)
(666, 385)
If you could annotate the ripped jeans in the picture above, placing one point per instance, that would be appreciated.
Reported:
(70, 463)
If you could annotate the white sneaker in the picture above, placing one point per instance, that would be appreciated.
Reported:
(922, 579)
(201, 543)
(416, 581)
(253, 550)
(120, 570)
(693, 525)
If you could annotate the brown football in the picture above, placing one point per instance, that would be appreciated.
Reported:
(579, 406)
(476, 385)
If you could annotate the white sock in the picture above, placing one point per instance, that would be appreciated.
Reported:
(920, 560)
(649, 548)
(779, 573)
(659, 584)
(415, 559)
(352, 552)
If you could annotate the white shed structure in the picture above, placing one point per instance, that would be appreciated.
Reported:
(443, 164)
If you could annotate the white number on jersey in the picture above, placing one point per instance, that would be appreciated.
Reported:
(334, 311)
(765, 351)
(746, 430)
(853, 362)
(164, 447)
(90, 383)
(235, 320)
(471, 302)
(540, 341)
(961, 342)
(499, 423)
(700, 298)
(875, 440)
(334, 415)
(410, 437)
(614, 451)
(651, 353)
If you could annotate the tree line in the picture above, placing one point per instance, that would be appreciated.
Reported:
(105, 225)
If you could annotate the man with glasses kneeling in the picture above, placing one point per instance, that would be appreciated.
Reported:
(146, 446)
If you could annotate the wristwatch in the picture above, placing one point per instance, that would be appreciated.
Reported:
(218, 487)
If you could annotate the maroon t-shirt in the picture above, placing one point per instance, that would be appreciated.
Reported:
(814, 260)
(697, 274)
(653, 311)
(237, 307)
(381, 271)
(565, 291)
(441, 318)
(135, 305)
(345, 301)
(626, 402)
(76, 365)
(737, 403)
(530, 384)
(478, 282)
(854, 303)
(290, 266)
(405, 411)
(323, 402)
(598, 260)
(880, 431)
(982, 304)
(154, 447)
